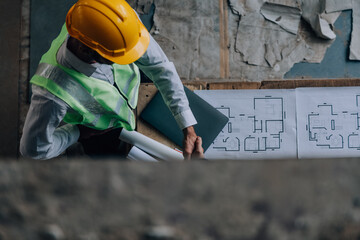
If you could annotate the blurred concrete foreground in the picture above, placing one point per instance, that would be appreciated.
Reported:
(81, 199)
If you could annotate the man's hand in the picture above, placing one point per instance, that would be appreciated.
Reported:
(192, 144)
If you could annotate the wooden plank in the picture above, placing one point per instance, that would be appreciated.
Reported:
(195, 85)
(234, 85)
(224, 40)
(296, 83)
(146, 93)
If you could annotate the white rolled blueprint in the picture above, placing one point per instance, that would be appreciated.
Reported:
(136, 154)
(150, 146)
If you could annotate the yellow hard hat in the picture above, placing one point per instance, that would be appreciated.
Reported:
(110, 27)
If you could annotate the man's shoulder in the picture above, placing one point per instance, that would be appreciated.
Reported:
(44, 95)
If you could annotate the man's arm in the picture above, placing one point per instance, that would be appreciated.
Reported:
(42, 138)
(162, 72)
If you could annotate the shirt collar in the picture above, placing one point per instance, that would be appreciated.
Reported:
(66, 58)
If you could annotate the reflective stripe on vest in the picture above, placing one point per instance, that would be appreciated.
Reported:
(80, 94)
(133, 101)
(71, 86)
(125, 87)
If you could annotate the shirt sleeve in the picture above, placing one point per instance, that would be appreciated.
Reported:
(155, 65)
(42, 137)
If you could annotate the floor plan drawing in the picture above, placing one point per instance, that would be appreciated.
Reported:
(261, 124)
(328, 122)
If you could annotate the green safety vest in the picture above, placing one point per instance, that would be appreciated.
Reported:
(97, 103)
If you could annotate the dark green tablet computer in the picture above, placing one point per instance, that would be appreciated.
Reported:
(210, 120)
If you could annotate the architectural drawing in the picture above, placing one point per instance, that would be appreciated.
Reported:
(328, 122)
(301, 123)
(266, 124)
(258, 125)
(326, 128)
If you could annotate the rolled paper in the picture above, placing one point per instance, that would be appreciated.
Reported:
(150, 146)
(136, 154)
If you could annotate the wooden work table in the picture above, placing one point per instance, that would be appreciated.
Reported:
(148, 90)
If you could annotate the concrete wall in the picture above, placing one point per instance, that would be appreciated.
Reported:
(243, 200)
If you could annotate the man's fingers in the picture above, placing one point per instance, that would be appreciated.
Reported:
(189, 147)
(198, 150)
(198, 143)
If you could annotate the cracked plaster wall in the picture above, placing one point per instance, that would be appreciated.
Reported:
(188, 32)
(231, 39)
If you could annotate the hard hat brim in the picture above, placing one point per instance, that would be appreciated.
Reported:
(136, 52)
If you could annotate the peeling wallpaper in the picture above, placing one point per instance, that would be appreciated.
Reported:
(248, 40)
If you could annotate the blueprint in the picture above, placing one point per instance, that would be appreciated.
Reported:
(328, 122)
(262, 124)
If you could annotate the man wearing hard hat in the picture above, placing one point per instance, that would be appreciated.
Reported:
(89, 79)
